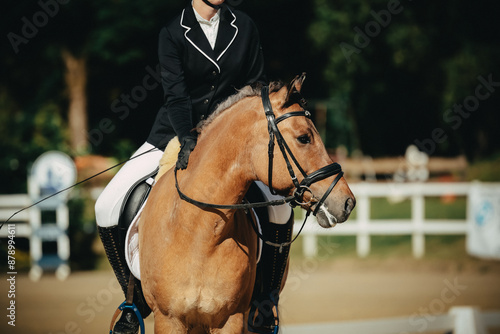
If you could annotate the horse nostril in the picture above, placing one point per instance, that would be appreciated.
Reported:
(349, 205)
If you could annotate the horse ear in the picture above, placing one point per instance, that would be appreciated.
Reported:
(295, 85)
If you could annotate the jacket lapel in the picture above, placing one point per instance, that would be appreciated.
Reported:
(195, 35)
(227, 32)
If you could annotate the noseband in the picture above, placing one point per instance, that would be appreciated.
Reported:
(300, 187)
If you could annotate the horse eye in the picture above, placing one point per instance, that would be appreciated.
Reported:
(304, 139)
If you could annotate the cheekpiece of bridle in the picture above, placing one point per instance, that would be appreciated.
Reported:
(275, 136)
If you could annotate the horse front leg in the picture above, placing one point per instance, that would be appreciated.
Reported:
(234, 325)
(168, 325)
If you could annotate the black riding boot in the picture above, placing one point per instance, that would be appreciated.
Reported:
(262, 318)
(128, 322)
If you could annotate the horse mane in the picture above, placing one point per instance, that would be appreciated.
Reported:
(247, 91)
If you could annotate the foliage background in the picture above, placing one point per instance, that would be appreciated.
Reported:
(380, 100)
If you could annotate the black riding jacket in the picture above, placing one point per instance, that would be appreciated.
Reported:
(195, 77)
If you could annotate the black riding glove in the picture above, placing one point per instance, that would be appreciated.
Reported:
(188, 144)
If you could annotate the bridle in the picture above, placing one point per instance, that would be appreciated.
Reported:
(300, 187)
(274, 133)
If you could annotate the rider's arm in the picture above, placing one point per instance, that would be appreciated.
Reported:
(255, 60)
(176, 96)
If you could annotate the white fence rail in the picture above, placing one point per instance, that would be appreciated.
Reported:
(363, 226)
(10, 204)
(28, 224)
(459, 320)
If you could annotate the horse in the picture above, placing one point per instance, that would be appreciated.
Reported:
(198, 264)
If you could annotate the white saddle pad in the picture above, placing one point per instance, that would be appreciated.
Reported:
(132, 245)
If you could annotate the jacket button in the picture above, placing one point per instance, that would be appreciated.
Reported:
(212, 87)
(205, 101)
(214, 73)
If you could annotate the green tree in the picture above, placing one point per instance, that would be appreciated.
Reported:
(72, 58)
(399, 66)
(68, 36)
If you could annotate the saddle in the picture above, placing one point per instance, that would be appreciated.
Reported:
(134, 203)
(129, 228)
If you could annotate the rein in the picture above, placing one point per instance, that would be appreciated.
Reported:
(244, 206)
(300, 187)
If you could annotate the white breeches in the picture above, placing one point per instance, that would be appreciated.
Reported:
(109, 203)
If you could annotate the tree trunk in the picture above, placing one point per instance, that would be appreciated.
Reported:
(76, 81)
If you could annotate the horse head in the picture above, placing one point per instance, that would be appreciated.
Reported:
(320, 186)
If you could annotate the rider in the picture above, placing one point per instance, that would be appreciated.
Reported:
(205, 54)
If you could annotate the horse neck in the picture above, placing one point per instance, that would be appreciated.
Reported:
(220, 169)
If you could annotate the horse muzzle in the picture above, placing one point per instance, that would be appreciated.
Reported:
(334, 206)
(331, 214)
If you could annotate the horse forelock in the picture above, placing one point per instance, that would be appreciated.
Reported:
(247, 91)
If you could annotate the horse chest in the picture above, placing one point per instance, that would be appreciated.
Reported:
(202, 280)
(200, 301)
(209, 293)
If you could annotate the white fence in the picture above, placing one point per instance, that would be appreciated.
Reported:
(363, 226)
(459, 320)
(10, 204)
(28, 224)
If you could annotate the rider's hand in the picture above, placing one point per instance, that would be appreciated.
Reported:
(188, 144)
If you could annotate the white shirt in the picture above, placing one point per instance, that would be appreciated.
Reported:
(210, 28)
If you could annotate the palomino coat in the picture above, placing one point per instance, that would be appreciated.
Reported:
(195, 77)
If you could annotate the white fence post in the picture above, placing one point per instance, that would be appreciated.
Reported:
(310, 246)
(63, 245)
(363, 211)
(35, 243)
(417, 217)
(309, 239)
